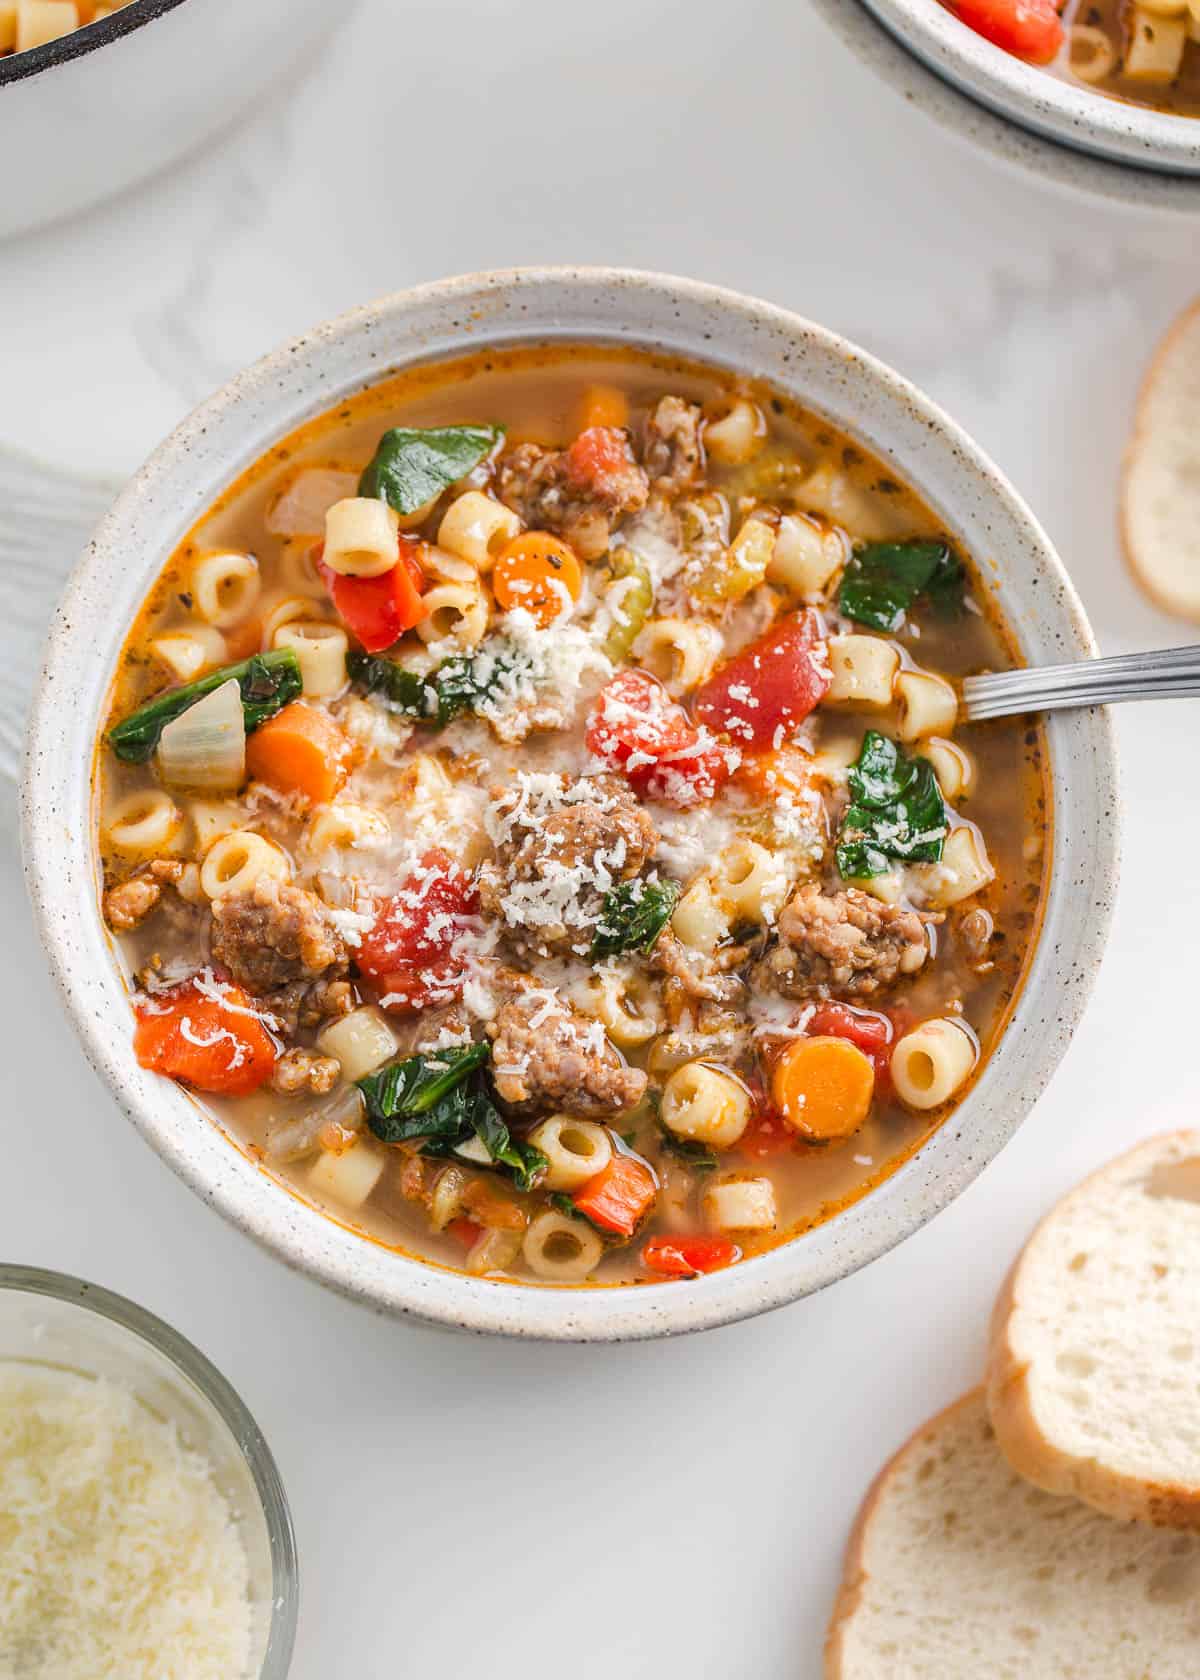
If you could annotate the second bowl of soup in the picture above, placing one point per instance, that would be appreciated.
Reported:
(550, 884)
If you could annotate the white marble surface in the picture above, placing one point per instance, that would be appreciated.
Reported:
(679, 1507)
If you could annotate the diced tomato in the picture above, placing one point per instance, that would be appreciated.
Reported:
(378, 610)
(872, 1032)
(761, 696)
(206, 1034)
(410, 953)
(688, 1256)
(464, 1231)
(600, 460)
(635, 727)
(618, 1198)
(1031, 29)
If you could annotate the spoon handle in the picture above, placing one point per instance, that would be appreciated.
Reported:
(1091, 682)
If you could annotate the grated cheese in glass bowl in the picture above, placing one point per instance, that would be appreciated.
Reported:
(144, 1532)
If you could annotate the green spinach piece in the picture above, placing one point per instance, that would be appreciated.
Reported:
(423, 1096)
(883, 580)
(268, 681)
(412, 465)
(896, 811)
(632, 916)
(459, 684)
(526, 1163)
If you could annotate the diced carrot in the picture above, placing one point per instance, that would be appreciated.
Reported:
(540, 573)
(603, 405)
(618, 1198)
(299, 750)
(211, 1039)
(688, 1256)
(823, 1087)
(464, 1231)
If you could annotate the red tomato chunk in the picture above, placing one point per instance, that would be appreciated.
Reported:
(410, 954)
(762, 696)
(1031, 29)
(689, 1256)
(870, 1031)
(636, 728)
(206, 1033)
(378, 610)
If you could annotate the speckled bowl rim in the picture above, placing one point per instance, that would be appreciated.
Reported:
(1017, 149)
(305, 377)
(1029, 95)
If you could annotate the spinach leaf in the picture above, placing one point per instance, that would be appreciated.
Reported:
(526, 1162)
(896, 811)
(406, 690)
(883, 580)
(696, 1155)
(268, 682)
(459, 684)
(632, 916)
(423, 1096)
(413, 464)
(442, 1097)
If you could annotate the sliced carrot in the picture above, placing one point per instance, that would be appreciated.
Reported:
(603, 405)
(299, 750)
(823, 1087)
(209, 1038)
(688, 1256)
(538, 572)
(618, 1198)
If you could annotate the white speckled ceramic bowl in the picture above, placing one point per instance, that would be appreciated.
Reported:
(891, 56)
(253, 411)
(1064, 111)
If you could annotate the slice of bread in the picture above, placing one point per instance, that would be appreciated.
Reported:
(959, 1570)
(1094, 1364)
(1160, 492)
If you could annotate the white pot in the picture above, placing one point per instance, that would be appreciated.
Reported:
(303, 379)
(91, 113)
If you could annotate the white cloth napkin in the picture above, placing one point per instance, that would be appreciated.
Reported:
(46, 517)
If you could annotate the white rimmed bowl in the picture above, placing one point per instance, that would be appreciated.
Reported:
(230, 431)
(1063, 111)
(86, 116)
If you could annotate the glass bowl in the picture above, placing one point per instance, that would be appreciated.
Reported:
(61, 1323)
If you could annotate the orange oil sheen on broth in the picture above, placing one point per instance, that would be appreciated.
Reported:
(538, 394)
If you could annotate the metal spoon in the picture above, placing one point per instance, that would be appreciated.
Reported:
(1091, 682)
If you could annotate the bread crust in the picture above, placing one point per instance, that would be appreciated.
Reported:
(1010, 1400)
(854, 1574)
(1143, 574)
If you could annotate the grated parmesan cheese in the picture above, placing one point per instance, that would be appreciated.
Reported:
(119, 1559)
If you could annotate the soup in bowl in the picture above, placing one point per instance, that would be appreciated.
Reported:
(536, 828)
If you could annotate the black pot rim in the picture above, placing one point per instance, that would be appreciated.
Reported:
(14, 67)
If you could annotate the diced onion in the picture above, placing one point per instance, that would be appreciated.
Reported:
(301, 510)
(205, 747)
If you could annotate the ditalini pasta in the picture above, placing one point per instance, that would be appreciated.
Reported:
(563, 860)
